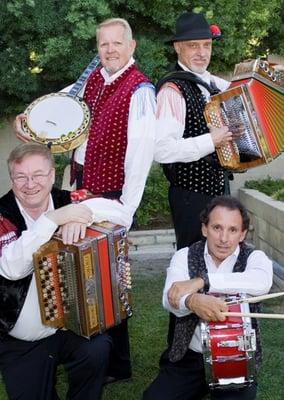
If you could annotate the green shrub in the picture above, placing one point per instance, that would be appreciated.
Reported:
(279, 195)
(271, 187)
(61, 160)
(154, 210)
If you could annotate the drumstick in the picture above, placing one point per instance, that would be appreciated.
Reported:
(256, 299)
(253, 315)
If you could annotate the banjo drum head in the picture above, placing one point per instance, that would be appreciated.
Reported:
(57, 120)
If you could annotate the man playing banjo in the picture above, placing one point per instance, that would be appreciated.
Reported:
(223, 264)
(114, 162)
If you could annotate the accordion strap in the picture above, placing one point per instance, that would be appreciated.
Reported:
(187, 76)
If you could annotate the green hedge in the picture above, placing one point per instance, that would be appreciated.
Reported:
(154, 211)
(271, 187)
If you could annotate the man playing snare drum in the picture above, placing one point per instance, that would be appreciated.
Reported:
(221, 264)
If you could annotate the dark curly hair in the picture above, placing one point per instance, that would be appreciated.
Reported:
(228, 202)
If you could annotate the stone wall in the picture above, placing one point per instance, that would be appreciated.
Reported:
(267, 228)
(267, 220)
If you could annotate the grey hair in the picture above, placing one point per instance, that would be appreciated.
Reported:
(116, 21)
(19, 153)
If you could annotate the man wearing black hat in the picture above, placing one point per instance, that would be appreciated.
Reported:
(185, 144)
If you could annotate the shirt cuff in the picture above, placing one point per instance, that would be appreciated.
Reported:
(182, 305)
(44, 227)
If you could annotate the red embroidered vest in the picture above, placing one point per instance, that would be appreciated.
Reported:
(107, 140)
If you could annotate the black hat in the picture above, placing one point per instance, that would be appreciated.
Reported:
(192, 26)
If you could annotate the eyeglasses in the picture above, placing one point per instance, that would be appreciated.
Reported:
(24, 179)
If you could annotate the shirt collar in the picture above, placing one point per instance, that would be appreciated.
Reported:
(26, 216)
(206, 76)
(110, 78)
(234, 255)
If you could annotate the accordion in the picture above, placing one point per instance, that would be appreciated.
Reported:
(86, 286)
(254, 101)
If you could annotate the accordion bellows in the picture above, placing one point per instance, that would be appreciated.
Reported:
(85, 287)
(255, 101)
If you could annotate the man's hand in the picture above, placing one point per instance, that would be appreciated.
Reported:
(19, 130)
(72, 232)
(181, 288)
(71, 213)
(237, 128)
(279, 67)
(220, 136)
(208, 308)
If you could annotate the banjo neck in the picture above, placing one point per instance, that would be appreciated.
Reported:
(73, 92)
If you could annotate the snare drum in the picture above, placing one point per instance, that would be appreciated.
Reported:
(229, 349)
(58, 120)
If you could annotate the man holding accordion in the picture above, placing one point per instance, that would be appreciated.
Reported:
(30, 352)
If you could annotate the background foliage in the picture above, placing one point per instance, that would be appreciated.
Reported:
(271, 187)
(154, 211)
(46, 44)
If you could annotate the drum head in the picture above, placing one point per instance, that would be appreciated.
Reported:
(57, 120)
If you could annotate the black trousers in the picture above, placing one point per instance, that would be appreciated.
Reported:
(185, 208)
(29, 368)
(119, 362)
(185, 380)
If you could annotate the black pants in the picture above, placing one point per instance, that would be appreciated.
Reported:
(185, 380)
(29, 368)
(186, 207)
(119, 362)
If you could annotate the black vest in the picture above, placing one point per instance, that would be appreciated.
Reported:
(13, 293)
(205, 175)
(185, 326)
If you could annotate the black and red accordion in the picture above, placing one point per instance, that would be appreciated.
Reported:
(86, 286)
(254, 101)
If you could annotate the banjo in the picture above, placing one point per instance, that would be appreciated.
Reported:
(60, 120)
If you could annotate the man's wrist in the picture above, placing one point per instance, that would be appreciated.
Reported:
(189, 300)
(200, 283)
(205, 279)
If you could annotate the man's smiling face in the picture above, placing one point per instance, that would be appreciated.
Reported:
(32, 181)
(114, 47)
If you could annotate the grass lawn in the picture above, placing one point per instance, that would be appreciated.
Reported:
(148, 338)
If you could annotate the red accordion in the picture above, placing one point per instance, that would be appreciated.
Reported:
(255, 101)
(86, 286)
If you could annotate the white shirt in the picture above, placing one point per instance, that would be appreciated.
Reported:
(138, 157)
(255, 280)
(170, 146)
(16, 262)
